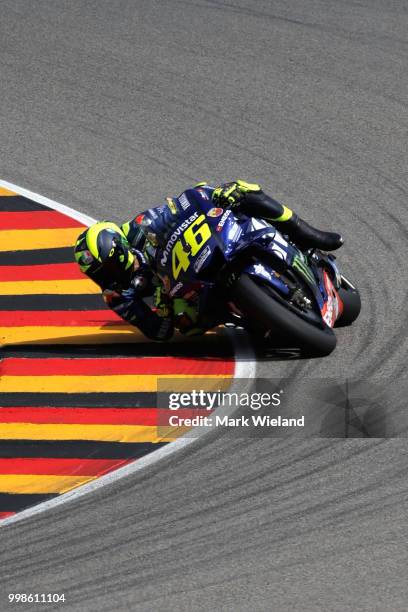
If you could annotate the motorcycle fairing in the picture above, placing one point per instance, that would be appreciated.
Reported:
(227, 237)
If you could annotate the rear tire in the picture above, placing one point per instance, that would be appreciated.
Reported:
(265, 313)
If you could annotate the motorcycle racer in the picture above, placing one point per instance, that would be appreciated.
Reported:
(121, 259)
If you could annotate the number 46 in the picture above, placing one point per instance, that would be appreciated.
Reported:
(194, 238)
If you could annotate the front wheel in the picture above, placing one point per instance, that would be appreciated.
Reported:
(265, 313)
(350, 297)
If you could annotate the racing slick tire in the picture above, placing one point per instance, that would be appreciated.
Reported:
(267, 314)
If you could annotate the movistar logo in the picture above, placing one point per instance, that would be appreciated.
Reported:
(175, 236)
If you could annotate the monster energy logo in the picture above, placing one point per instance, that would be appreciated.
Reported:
(304, 270)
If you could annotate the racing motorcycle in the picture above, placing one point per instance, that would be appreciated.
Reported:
(253, 276)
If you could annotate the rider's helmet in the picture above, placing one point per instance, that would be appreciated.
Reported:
(104, 254)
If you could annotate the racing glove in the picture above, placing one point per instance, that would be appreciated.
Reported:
(232, 194)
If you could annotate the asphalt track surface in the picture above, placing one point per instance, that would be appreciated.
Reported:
(109, 107)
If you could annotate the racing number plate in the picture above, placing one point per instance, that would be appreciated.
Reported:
(189, 245)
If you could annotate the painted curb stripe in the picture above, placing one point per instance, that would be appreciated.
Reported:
(65, 422)
(47, 318)
(20, 240)
(76, 449)
(18, 203)
(26, 483)
(108, 416)
(16, 503)
(156, 366)
(176, 349)
(64, 271)
(112, 334)
(68, 431)
(6, 192)
(37, 257)
(101, 384)
(90, 400)
(52, 302)
(4, 515)
(43, 287)
(66, 467)
(36, 220)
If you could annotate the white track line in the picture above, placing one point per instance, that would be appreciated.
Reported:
(245, 368)
(66, 210)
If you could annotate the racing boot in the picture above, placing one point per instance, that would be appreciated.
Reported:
(258, 204)
(308, 237)
(253, 202)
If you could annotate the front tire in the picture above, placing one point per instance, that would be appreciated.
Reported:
(350, 297)
(265, 313)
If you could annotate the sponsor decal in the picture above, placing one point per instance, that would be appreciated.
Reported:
(234, 233)
(201, 259)
(171, 204)
(215, 212)
(139, 257)
(203, 194)
(330, 311)
(302, 267)
(139, 219)
(258, 224)
(223, 220)
(184, 203)
(86, 257)
(262, 271)
(280, 239)
(278, 247)
(175, 289)
(174, 237)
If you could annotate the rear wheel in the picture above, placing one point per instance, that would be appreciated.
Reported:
(266, 313)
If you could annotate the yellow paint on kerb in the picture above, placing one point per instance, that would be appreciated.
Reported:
(23, 240)
(49, 287)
